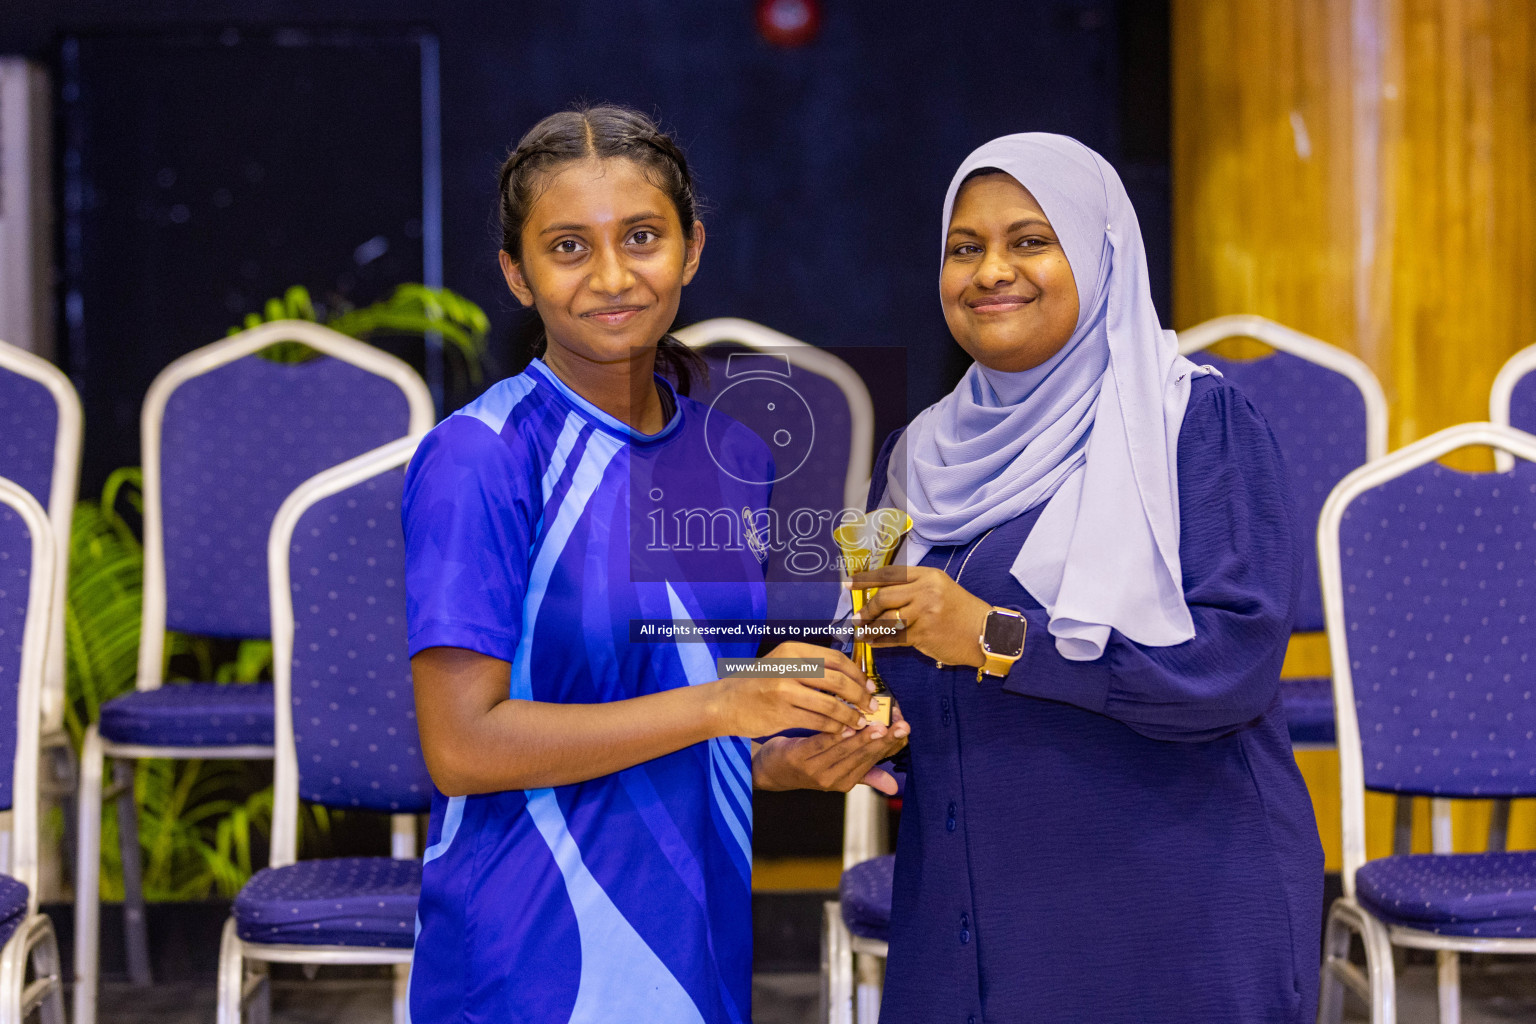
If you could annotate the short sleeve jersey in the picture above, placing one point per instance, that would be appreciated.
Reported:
(536, 532)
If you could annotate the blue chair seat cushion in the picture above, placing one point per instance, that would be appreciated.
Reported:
(865, 893)
(1308, 706)
(1487, 895)
(341, 901)
(191, 715)
(13, 906)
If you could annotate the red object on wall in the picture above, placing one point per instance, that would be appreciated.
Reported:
(789, 22)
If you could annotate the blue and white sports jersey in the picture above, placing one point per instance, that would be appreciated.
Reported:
(530, 521)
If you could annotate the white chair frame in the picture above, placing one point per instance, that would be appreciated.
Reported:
(243, 964)
(861, 411)
(1500, 395)
(95, 751)
(1518, 366)
(864, 825)
(852, 966)
(33, 941)
(1302, 346)
(1313, 350)
(1376, 985)
(62, 491)
(61, 509)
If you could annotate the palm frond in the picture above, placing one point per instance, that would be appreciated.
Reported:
(253, 661)
(412, 309)
(102, 607)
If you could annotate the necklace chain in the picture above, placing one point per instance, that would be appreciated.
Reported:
(963, 563)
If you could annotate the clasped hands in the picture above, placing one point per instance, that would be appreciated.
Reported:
(939, 617)
(843, 751)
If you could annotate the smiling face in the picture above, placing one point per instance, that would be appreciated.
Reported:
(604, 258)
(1009, 296)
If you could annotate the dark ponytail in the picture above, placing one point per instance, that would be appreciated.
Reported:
(601, 131)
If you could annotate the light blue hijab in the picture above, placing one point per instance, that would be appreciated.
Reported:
(1093, 432)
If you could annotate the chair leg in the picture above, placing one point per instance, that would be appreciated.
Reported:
(1330, 1001)
(836, 966)
(231, 976)
(88, 879)
(869, 973)
(259, 987)
(1498, 827)
(1402, 826)
(65, 773)
(1383, 973)
(45, 966)
(135, 933)
(1378, 984)
(32, 943)
(401, 1004)
(13, 970)
(1448, 966)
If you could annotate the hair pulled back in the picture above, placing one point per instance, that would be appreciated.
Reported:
(604, 131)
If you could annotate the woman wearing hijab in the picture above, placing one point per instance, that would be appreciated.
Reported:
(1103, 819)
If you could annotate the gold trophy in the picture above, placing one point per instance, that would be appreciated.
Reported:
(870, 542)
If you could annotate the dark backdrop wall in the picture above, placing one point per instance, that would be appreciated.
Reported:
(824, 165)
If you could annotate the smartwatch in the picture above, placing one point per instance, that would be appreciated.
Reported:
(1002, 642)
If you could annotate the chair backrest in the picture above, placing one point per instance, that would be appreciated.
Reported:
(227, 435)
(1429, 616)
(346, 716)
(841, 457)
(40, 432)
(26, 591)
(1326, 410)
(1512, 400)
(822, 459)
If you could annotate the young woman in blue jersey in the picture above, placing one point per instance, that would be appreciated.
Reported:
(589, 853)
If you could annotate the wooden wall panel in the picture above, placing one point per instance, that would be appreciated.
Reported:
(1363, 170)
(1263, 211)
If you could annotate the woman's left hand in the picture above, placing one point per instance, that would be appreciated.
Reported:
(941, 618)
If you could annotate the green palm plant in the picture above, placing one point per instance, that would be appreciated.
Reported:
(413, 309)
(197, 819)
(101, 613)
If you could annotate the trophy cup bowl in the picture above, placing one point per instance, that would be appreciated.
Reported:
(869, 541)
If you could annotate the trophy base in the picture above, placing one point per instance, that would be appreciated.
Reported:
(881, 702)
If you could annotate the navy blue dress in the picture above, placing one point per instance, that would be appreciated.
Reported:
(1127, 839)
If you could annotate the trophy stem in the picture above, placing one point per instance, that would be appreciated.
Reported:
(864, 655)
(870, 542)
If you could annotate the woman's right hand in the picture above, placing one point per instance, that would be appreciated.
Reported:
(764, 705)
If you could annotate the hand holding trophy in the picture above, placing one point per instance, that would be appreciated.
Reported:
(869, 541)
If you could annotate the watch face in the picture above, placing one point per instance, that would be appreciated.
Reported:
(1004, 635)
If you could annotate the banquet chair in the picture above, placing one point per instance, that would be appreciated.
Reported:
(817, 476)
(856, 926)
(1512, 403)
(346, 737)
(1329, 415)
(26, 592)
(1423, 570)
(40, 435)
(844, 426)
(227, 434)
